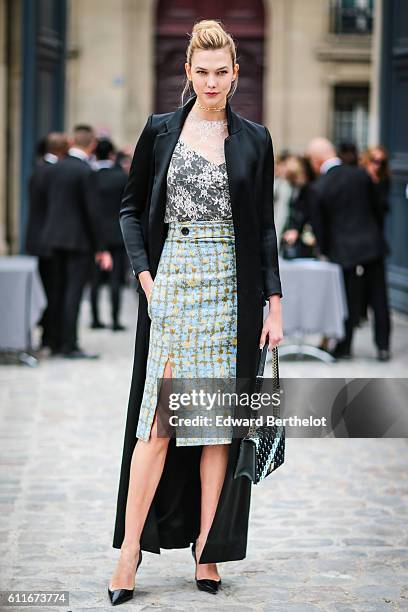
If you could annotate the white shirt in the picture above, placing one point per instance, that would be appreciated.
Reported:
(79, 153)
(329, 163)
(50, 158)
(103, 163)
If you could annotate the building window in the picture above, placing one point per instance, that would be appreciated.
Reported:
(350, 117)
(352, 16)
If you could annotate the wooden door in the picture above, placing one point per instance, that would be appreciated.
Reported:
(244, 19)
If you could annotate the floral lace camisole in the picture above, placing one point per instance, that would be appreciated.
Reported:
(197, 189)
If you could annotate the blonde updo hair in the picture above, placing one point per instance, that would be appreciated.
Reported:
(210, 34)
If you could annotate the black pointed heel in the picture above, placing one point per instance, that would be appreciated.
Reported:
(120, 596)
(205, 584)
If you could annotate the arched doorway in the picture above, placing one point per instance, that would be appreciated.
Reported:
(243, 18)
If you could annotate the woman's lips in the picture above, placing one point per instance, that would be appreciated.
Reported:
(212, 93)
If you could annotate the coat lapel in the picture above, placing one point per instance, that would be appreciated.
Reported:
(164, 146)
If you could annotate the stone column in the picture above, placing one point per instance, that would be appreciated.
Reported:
(139, 66)
(95, 80)
(110, 71)
(10, 125)
(296, 95)
(374, 124)
(3, 115)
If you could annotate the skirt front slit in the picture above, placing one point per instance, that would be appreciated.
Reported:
(193, 312)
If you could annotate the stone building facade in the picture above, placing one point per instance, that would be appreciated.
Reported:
(316, 73)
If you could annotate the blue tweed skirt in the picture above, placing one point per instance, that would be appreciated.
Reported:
(193, 312)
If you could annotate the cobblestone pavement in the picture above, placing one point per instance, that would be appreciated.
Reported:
(327, 529)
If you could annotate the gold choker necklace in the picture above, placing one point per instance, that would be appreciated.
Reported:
(219, 108)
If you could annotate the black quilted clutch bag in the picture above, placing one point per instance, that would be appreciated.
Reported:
(262, 450)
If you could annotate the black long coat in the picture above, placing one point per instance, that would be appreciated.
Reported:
(106, 188)
(37, 215)
(345, 216)
(72, 223)
(174, 516)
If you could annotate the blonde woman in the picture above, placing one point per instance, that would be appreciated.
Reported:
(375, 161)
(197, 219)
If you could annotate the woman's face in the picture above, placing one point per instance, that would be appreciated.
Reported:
(212, 74)
(376, 162)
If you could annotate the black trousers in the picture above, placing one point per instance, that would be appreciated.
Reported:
(369, 280)
(71, 272)
(116, 278)
(45, 268)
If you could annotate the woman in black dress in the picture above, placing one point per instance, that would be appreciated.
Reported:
(197, 216)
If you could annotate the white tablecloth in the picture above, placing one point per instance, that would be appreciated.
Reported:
(22, 301)
(314, 298)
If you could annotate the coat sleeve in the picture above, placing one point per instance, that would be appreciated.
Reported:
(319, 218)
(88, 209)
(92, 211)
(269, 248)
(134, 201)
(298, 211)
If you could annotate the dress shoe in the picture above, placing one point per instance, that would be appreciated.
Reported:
(205, 584)
(340, 353)
(120, 596)
(118, 327)
(383, 355)
(79, 354)
(98, 325)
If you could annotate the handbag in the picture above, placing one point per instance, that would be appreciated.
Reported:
(262, 450)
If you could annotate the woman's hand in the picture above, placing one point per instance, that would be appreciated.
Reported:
(104, 259)
(147, 283)
(272, 327)
(290, 236)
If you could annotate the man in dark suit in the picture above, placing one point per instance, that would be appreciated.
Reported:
(72, 231)
(55, 148)
(107, 185)
(344, 215)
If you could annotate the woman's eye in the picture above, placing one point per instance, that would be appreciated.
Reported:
(202, 72)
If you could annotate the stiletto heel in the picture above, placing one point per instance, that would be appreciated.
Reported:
(119, 596)
(204, 584)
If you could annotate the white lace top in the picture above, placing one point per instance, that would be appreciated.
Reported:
(196, 187)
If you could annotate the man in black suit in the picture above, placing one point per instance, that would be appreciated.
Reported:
(55, 148)
(107, 185)
(72, 231)
(344, 214)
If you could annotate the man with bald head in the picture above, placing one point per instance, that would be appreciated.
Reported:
(346, 222)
